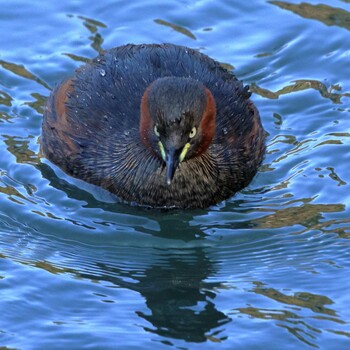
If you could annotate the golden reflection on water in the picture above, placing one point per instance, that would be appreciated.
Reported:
(176, 27)
(38, 103)
(92, 26)
(96, 38)
(314, 302)
(5, 117)
(297, 323)
(77, 58)
(12, 193)
(10, 187)
(21, 71)
(19, 147)
(307, 215)
(331, 16)
(300, 85)
(5, 99)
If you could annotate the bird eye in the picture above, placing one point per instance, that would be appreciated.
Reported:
(193, 132)
(156, 130)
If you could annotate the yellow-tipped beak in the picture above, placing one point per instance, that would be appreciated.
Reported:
(184, 152)
(172, 159)
(162, 151)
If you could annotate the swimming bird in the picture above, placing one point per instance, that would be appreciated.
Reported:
(157, 125)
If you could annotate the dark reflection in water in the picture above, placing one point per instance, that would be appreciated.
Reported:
(181, 302)
(181, 305)
(331, 16)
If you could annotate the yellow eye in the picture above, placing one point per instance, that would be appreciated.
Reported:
(156, 130)
(193, 132)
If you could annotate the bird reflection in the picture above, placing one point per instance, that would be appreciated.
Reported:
(179, 300)
(180, 303)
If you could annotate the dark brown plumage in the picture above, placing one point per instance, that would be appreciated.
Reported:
(159, 125)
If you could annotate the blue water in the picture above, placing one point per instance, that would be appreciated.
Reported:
(267, 269)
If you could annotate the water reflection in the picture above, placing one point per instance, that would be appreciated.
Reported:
(300, 85)
(314, 302)
(331, 16)
(96, 38)
(38, 103)
(175, 27)
(175, 284)
(19, 147)
(5, 99)
(186, 312)
(15, 191)
(307, 215)
(177, 274)
(292, 319)
(22, 72)
(181, 304)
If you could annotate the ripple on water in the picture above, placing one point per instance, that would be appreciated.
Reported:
(265, 268)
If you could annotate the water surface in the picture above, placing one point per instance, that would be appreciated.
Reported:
(267, 269)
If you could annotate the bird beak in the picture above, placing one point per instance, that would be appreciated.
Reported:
(172, 161)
